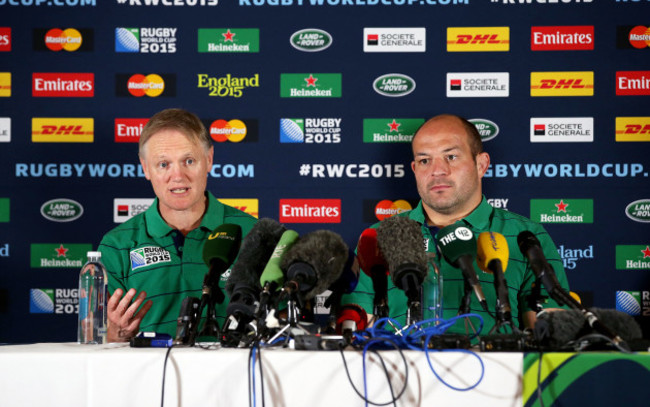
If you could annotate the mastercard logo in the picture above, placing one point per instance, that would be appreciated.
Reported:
(151, 85)
(640, 37)
(233, 130)
(68, 39)
(387, 208)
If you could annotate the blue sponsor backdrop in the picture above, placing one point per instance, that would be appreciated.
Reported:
(612, 174)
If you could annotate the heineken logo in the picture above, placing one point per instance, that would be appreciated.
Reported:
(310, 85)
(311, 40)
(390, 130)
(394, 85)
(486, 128)
(62, 210)
(639, 211)
(562, 210)
(633, 257)
(59, 255)
(229, 40)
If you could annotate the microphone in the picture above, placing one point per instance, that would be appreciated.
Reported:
(243, 285)
(458, 245)
(272, 276)
(492, 257)
(531, 249)
(373, 264)
(313, 263)
(401, 242)
(556, 330)
(219, 252)
(351, 318)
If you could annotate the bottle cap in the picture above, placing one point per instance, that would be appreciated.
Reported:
(94, 254)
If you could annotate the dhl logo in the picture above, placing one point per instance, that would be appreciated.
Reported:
(478, 39)
(62, 130)
(562, 83)
(633, 129)
(5, 84)
(250, 206)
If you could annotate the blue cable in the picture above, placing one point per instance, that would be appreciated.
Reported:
(415, 337)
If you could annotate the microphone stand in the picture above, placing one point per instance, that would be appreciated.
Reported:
(292, 318)
(211, 295)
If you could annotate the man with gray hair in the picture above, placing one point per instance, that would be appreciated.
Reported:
(154, 260)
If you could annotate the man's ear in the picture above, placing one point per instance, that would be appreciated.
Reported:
(482, 163)
(144, 169)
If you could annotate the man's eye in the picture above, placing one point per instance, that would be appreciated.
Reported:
(452, 157)
(163, 165)
(189, 161)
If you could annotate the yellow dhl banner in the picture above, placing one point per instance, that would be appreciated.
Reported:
(478, 39)
(633, 129)
(578, 83)
(250, 206)
(62, 130)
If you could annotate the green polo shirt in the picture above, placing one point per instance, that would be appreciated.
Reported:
(147, 254)
(518, 274)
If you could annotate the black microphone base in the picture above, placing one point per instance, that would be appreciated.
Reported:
(502, 343)
(449, 341)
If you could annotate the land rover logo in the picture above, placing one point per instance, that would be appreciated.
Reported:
(639, 211)
(486, 128)
(311, 40)
(394, 85)
(62, 210)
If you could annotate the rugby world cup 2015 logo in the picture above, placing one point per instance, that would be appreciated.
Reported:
(148, 256)
(629, 302)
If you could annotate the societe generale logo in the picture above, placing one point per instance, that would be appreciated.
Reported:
(128, 130)
(63, 84)
(562, 38)
(310, 210)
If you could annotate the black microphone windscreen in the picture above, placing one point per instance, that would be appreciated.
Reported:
(400, 241)
(556, 329)
(324, 251)
(221, 247)
(256, 249)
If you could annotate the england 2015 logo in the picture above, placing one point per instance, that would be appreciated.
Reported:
(147, 256)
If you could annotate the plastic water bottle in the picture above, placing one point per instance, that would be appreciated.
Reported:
(432, 291)
(92, 300)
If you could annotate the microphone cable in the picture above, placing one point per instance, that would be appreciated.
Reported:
(368, 344)
(254, 355)
(162, 396)
(417, 336)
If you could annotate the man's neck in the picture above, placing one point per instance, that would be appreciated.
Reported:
(184, 221)
(441, 220)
